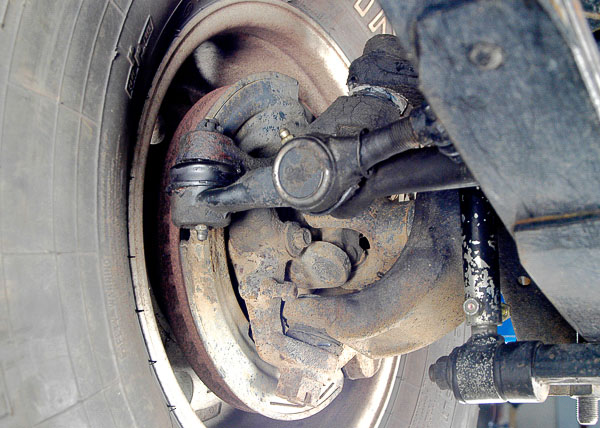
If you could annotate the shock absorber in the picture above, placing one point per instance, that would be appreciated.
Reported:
(482, 304)
(487, 370)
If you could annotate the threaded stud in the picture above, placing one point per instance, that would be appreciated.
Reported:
(587, 410)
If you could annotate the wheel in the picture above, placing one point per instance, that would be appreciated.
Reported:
(83, 341)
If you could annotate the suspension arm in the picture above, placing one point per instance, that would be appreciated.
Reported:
(316, 173)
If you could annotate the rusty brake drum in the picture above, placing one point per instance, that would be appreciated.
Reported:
(381, 290)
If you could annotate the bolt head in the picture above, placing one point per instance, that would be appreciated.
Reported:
(296, 238)
(303, 237)
(202, 232)
(486, 56)
(471, 306)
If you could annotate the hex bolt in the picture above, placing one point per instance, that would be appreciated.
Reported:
(505, 312)
(202, 232)
(297, 238)
(301, 238)
(285, 135)
(587, 410)
(486, 56)
(471, 306)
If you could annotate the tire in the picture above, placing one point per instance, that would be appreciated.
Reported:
(71, 350)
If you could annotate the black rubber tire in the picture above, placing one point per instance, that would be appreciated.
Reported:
(71, 349)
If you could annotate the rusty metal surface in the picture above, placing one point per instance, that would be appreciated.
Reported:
(321, 265)
(292, 369)
(259, 50)
(172, 290)
(407, 300)
(257, 247)
(199, 294)
(386, 224)
(210, 145)
(361, 367)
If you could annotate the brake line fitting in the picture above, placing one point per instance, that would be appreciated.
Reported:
(487, 370)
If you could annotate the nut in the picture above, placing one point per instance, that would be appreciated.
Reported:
(296, 238)
(301, 238)
(471, 306)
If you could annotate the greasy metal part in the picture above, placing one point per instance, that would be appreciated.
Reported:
(304, 171)
(416, 171)
(318, 173)
(486, 370)
(256, 107)
(307, 372)
(253, 190)
(573, 363)
(383, 65)
(206, 159)
(348, 115)
(480, 263)
(482, 370)
(380, 320)
(203, 310)
(385, 224)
